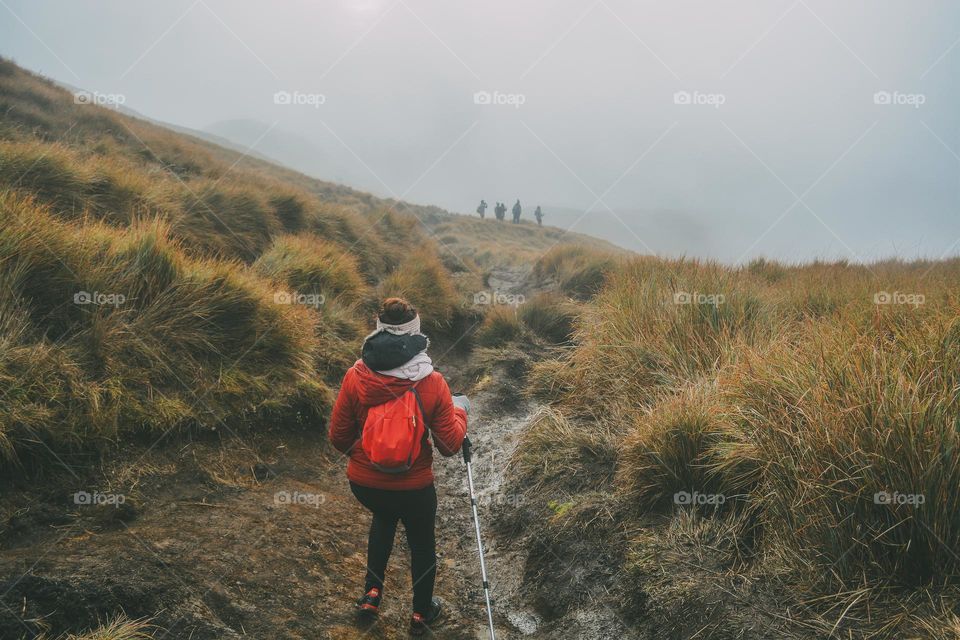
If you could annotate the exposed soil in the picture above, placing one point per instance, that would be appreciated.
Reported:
(235, 534)
(206, 545)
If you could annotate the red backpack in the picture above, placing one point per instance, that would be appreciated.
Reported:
(393, 433)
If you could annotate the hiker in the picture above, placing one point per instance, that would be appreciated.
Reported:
(516, 212)
(395, 483)
(538, 214)
(500, 211)
(482, 209)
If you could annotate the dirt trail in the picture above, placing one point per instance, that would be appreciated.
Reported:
(494, 435)
(257, 535)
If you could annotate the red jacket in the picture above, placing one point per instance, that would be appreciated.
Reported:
(363, 388)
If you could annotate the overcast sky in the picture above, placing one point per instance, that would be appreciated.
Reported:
(728, 130)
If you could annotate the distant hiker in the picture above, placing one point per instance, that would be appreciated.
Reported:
(516, 212)
(482, 209)
(500, 211)
(538, 214)
(392, 387)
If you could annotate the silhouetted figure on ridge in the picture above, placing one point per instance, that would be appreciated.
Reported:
(516, 212)
(482, 209)
(538, 214)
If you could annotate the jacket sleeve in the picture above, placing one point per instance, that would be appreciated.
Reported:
(448, 424)
(343, 422)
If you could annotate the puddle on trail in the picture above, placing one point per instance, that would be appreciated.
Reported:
(525, 622)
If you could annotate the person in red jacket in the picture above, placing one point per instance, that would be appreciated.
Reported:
(394, 359)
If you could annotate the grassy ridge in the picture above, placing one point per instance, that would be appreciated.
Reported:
(154, 282)
(109, 330)
(491, 243)
(819, 402)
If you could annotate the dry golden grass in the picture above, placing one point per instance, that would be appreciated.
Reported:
(490, 244)
(121, 628)
(422, 280)
(578, 270)
(674, 449)
(798, 393)
(500, 326)
(244, 288)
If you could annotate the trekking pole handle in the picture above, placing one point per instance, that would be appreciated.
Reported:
(467, 449)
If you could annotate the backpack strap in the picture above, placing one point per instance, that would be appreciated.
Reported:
(423, 413)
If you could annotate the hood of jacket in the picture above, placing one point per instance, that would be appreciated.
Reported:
(383, 351)
(374, 388)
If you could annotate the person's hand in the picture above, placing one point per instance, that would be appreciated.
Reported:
(462, 401)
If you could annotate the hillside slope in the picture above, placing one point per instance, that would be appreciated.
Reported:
(174, 317)
(155, 282)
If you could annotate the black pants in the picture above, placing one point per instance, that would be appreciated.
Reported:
(417, 509)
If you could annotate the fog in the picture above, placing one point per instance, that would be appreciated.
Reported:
(791, 129)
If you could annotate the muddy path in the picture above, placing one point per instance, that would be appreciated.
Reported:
(235, 535)
(240, 534)
(494, 432)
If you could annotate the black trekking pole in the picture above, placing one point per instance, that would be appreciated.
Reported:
(467, 456)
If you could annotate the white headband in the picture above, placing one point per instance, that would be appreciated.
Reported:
(407, 328)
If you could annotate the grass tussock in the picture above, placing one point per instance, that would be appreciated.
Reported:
(661, 325)
(489, 243)
(579, 271)
(501, 325)
(120, 628)
(673, 452)
(308, 264)
(424, 281)
(820, 400)
(856, 438)
(548, 318)
(557, 453)
(551, 317)
(181, 248)
(128, 333)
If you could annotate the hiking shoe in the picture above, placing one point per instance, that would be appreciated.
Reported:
(368, 606)
(420, 622)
